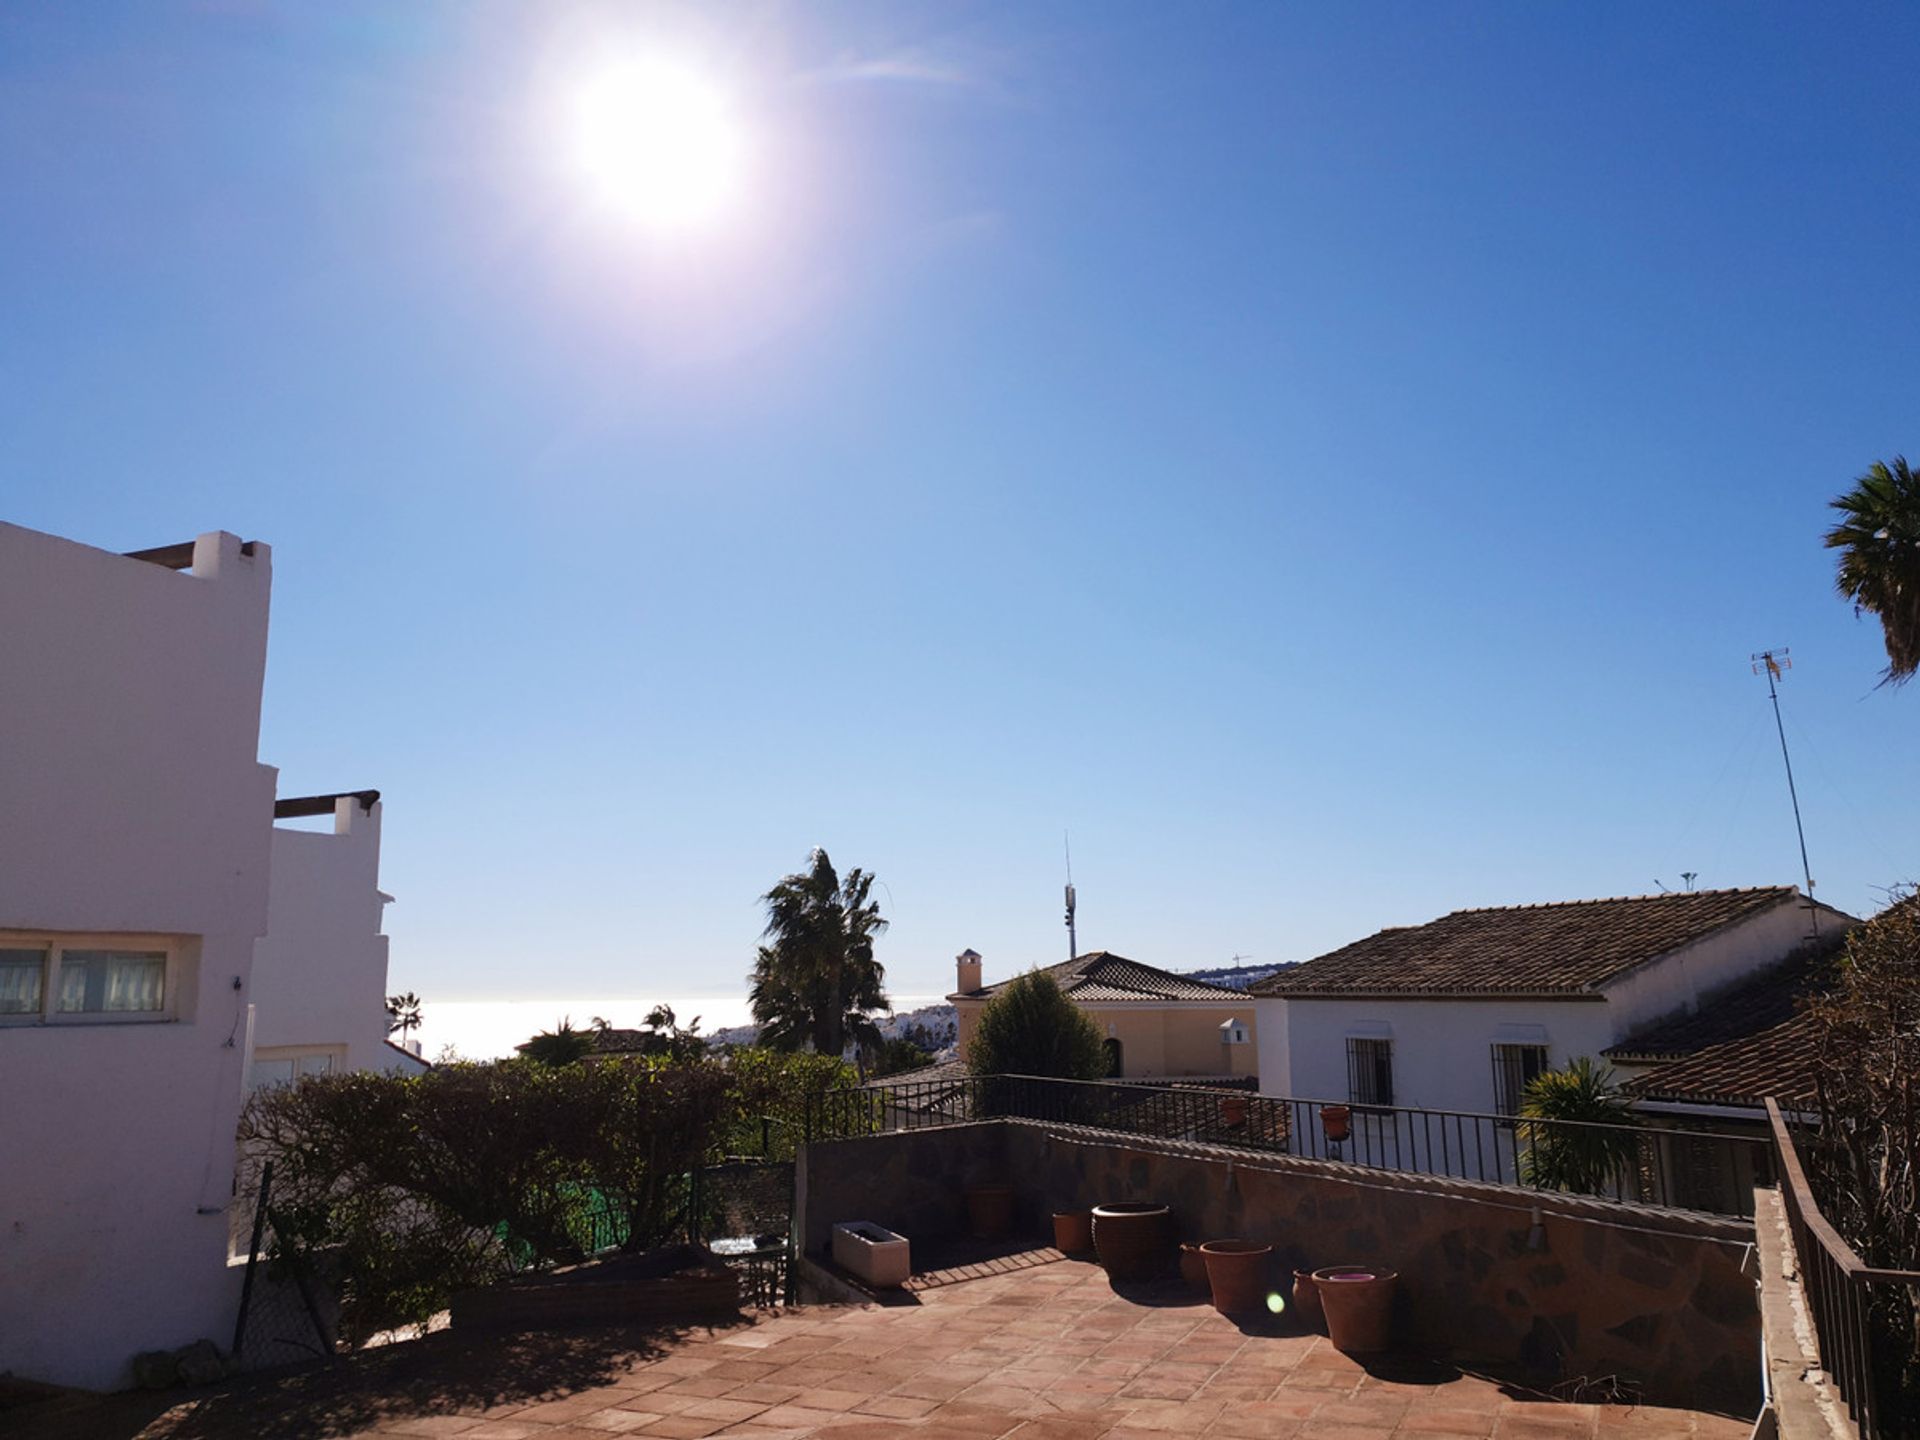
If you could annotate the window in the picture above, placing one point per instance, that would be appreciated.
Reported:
(1370, 1072)
(285, 1069)
(1514, 1067)
(83, 978)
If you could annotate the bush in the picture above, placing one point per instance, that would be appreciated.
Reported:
(1032, 1028)
(1584, 1161)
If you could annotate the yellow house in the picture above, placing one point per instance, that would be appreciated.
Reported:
(1157, 1024)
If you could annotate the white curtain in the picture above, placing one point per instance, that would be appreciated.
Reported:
(22, 973)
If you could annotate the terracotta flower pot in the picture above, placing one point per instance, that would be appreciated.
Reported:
(1306, 1301)
(1359, 1306)
(1193, 1269)
(1073, 1231)
(1237, 1270)
(1337, 1121)
(990, 1211)
(1131, 1239)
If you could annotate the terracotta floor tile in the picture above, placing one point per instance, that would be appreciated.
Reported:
(682, 1427)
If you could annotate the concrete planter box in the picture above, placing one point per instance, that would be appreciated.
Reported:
(875, 1255)
(683, 1285)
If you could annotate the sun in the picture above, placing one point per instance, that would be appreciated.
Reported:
(658, 143)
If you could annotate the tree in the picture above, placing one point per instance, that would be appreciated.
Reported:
(1879, 571)
(403, 1014)
(1588, 1157)
(896, 1055)
(664, 1035)
(562, 1045)
(816, 982)
(1032, 1028)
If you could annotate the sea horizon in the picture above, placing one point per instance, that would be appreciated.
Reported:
(489, 1029)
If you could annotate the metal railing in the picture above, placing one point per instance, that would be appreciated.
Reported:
(1849, 1300)
(1645, 1164)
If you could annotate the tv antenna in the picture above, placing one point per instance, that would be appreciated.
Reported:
(1073, 940)
(1774, 664)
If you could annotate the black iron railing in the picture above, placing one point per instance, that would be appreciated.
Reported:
(1653, 1165)
(1852, 1303)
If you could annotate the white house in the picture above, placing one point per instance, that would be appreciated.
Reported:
(158, 934)
(320, 971)
(1458, 1014)
(133, 886)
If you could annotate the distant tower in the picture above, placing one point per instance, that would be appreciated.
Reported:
(966, 966)
(1073, 939)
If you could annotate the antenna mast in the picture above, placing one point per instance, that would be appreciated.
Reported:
(1773, 664)
(1073, 940)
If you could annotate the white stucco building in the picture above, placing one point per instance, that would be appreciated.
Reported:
(154, 925)
(320, 971)
(1458, 1014)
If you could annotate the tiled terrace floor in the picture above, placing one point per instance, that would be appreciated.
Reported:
(1048, 1352)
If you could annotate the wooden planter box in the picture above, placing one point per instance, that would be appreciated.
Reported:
(877, 1256)
(661, 1287)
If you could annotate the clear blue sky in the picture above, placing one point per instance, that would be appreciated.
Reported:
(1335, 459)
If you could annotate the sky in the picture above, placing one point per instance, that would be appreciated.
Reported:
(1334, 462)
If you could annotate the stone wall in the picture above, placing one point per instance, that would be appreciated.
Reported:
(1662, 1300)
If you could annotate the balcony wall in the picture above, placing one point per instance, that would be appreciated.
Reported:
(1659, 1299)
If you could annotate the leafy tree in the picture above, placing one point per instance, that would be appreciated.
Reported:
(896, 1055)
(403, 1014)
(663, 1035)
(816, 982)
(1879, 571)
(1032, 1028)
(562, 1045)
(1587, 1158)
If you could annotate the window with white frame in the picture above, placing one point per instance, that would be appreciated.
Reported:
(285, 1069)
(55, 979)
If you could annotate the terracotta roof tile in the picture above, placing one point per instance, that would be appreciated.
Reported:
(1106, 977)
(1569, 948)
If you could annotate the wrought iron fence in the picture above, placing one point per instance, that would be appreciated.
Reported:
(1853, 1304)
(1647, 1164)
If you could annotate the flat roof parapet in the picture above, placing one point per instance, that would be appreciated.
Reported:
(300, 806)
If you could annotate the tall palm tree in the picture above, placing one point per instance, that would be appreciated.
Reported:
(816, 982)
(1879, 545)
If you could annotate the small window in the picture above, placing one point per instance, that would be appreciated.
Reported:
(285, 1069)
(1514, 1068)
(51, 979)
(1370, 1072)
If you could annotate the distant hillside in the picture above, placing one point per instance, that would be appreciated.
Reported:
(1237, 977)
(934, 1022)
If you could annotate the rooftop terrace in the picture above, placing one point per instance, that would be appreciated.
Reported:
(1048, 1351)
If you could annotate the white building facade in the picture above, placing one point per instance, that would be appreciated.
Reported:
(133, 887)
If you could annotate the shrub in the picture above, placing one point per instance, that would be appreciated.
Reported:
(1032, 1028)
(1573, 1157)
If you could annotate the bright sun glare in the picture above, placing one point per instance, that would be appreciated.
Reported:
(658, 143)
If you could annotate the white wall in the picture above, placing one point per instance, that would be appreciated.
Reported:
(320, 971)
(133, 803)
(1442, 1049)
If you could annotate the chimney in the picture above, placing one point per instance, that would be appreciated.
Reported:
(967, 971)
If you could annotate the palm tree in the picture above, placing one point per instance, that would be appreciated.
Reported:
(403, 1014)
(1595, 1149)
(816, 983)
(562, 1045)
(1879, 544)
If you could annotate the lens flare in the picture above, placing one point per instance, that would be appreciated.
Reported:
(657, 142)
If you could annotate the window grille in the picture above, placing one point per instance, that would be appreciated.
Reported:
(1370, 1072)
(1514, 1067)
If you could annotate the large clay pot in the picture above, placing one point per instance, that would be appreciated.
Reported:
(1233, 1111)
(1359, 1306)
(1237, 1271)
(1336, 1121)
(1306, 1301)
(990, 1211)
(1131, 1239)
(1073, 1231)
(1193, 1269)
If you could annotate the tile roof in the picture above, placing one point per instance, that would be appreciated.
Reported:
(1743, 1045)
(1564, 949)
(1102, 976)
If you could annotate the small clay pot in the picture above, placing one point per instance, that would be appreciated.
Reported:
(1237, 1272)
(1193, 1269)
(1131, 1239)
(990, 1211)
(1233, 1111)
(1359, 1305)
(1306, 1301)
(1336, 1121)
(1073, 1231)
